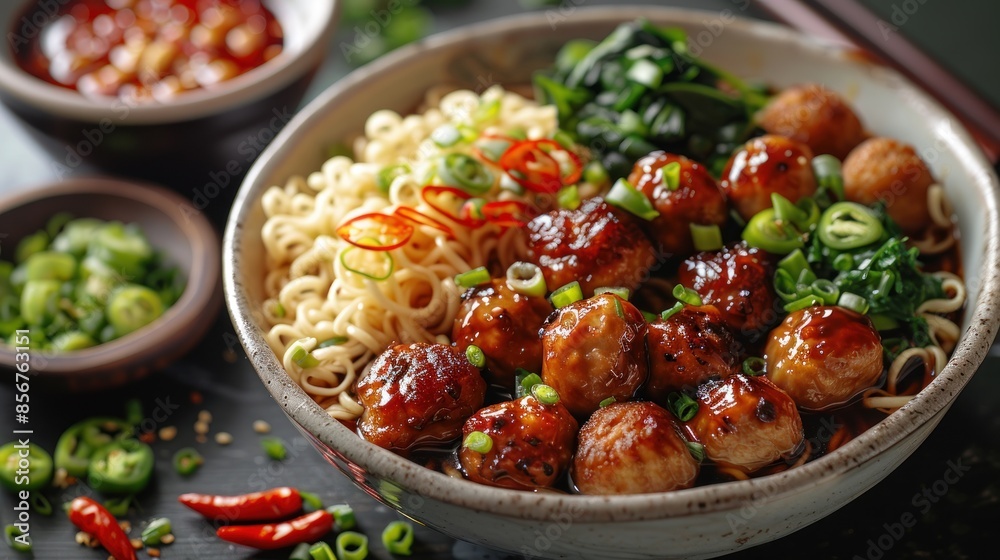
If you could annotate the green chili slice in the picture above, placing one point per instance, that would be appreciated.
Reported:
(123, 467)
(17, 539)
(765, 231)
(465, 171)
(133, 307)
(78, 444)
(848, 225)
(50, 265)
(187, 461)
(41, 504)
(274, 448)
(24, 467)
(118, 506)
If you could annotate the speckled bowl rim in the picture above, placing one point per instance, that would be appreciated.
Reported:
(179, 320)
(256, 84)
(382, 464)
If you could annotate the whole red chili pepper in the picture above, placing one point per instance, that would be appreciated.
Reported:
(305, 529)
(91, 517)
(269, 505)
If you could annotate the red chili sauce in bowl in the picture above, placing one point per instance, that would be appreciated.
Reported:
(145, 50)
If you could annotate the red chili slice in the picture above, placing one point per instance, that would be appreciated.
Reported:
(422, 219)
(508, 213)
(531, 164)
(376, 232)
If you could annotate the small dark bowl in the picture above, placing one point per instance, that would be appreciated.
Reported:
(185, 237)
(220, 130)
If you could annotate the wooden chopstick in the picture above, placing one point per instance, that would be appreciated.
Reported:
(849, 22)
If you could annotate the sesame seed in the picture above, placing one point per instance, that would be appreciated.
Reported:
(223, 438)
(205, 416)
(167, 539)
(200, 427)
(261, 427)
(168, 433)
(136, 543)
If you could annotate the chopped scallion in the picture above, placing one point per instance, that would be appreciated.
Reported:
(343, 517)
(754, 366)
(310, 502)
(682, 406)
(446, 135)
(607, 402)
(475, 356)
(544, 393)
(625, 196)
(333, 341)
(697, 450)
(478, 441)
(352, 546)
(321, 551)
(274, 448)
(155, 531)
(802, 303)
(619, 291)
(686, 295)
(567, 295)
(853, 302)
(526, 278)
(668, 313)
(706, 238)
(672, 175)
(568, 197)
(398, 538)
(473, 277)
(525, 380)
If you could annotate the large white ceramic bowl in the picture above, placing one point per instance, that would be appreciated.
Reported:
(695, 523)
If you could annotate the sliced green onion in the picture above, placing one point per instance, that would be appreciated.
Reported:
(187, 461)
(794, 263)
(812, 213)
(279, 310)
(682, 406)
(397, 537)
(389, 174)
(765, 231)
(737, 218)
(473, 277)
(625, 196)
(619, 291)
(544, 393)
(301, 552)
(754, 366)
(334, 341)
(826, 290)
(697, 450)
(302, 357)
(829, 174)
(525, 380)
(274, 448)
(352, 546)
(526, 278)
(475, 356)
(343, 517)
(595, 173)
(568, 197)
(802, 303)
(41, 504)
(321, 551)
(486, 111)
(567, 295)
(649, 317)
(310, 502)
(668, 313)
(16, 539)
(465, 171)
(686, 295)
(883, 322)
(446, 135)
(849, 225)
(118, 507)
(853, 302)
(155, 531)
(478, 441)
(607, 402)
(843, 262)
(706, 238)
(619, 310)
(672, 175)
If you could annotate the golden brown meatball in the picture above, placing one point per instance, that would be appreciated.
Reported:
(594, 349)
(696, 200)
(532, 444)
(816, 117)
(765, 165)
(632, 448)
(746, 423)
(418, 395)
(505, 325)
(882, 169)
(688, 349)
(738, 281)
(824, 356)
(594, 244)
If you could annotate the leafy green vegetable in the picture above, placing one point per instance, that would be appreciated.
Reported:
(640, 90)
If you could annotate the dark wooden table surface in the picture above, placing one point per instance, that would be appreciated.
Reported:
(954, 519)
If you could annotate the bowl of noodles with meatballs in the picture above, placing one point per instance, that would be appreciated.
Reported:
(593, 289)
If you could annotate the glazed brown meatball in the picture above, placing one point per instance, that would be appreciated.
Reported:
(738, 281)
(532, 444)
(697, 200)
(882, 169)
(632, 448)
(816, 117)
(505, 325)
(765, 165)
(418, 395)
(689, 348)
(824, 356)
(594, 244)
(746, 423)
(594, 349)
